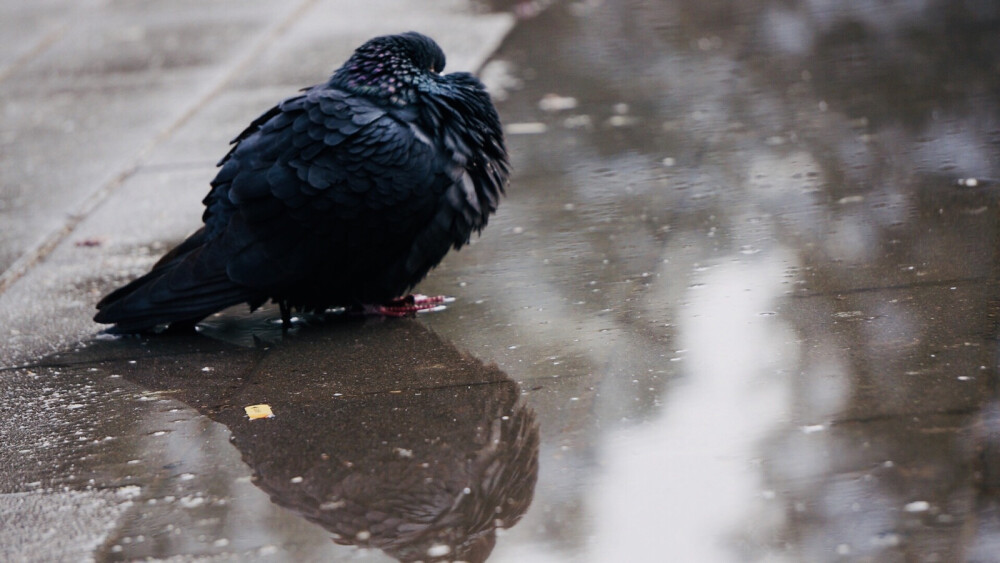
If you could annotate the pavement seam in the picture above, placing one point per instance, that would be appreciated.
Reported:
(42, 45)
(33, 256)
(921, 284)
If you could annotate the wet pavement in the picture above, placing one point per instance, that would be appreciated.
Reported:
(738, 305)
(378, 446)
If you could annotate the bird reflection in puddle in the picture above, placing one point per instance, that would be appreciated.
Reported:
(383, 433)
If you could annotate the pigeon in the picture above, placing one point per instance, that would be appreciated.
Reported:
(345, 195)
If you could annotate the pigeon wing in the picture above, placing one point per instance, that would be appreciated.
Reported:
(332, 186)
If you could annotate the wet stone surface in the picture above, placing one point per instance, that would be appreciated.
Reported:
(750, 300)
(386, 436)
(740, 304)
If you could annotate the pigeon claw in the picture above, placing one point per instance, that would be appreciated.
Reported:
(407, 306)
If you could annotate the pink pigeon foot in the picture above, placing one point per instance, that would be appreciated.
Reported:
(407, 306)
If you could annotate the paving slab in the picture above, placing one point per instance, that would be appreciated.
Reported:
(83, 107)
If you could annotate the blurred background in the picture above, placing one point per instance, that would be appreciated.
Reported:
(750, 246)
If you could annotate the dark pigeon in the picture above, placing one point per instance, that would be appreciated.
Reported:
(343, 196)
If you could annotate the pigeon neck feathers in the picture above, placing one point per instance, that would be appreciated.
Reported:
(395, 68)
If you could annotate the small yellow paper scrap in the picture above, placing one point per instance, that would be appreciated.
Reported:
(259, 411)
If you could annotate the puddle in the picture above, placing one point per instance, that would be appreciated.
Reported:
(768, 200)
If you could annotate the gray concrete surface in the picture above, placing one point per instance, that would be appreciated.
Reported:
(736, 282)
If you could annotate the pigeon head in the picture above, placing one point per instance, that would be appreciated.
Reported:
(395, 67)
